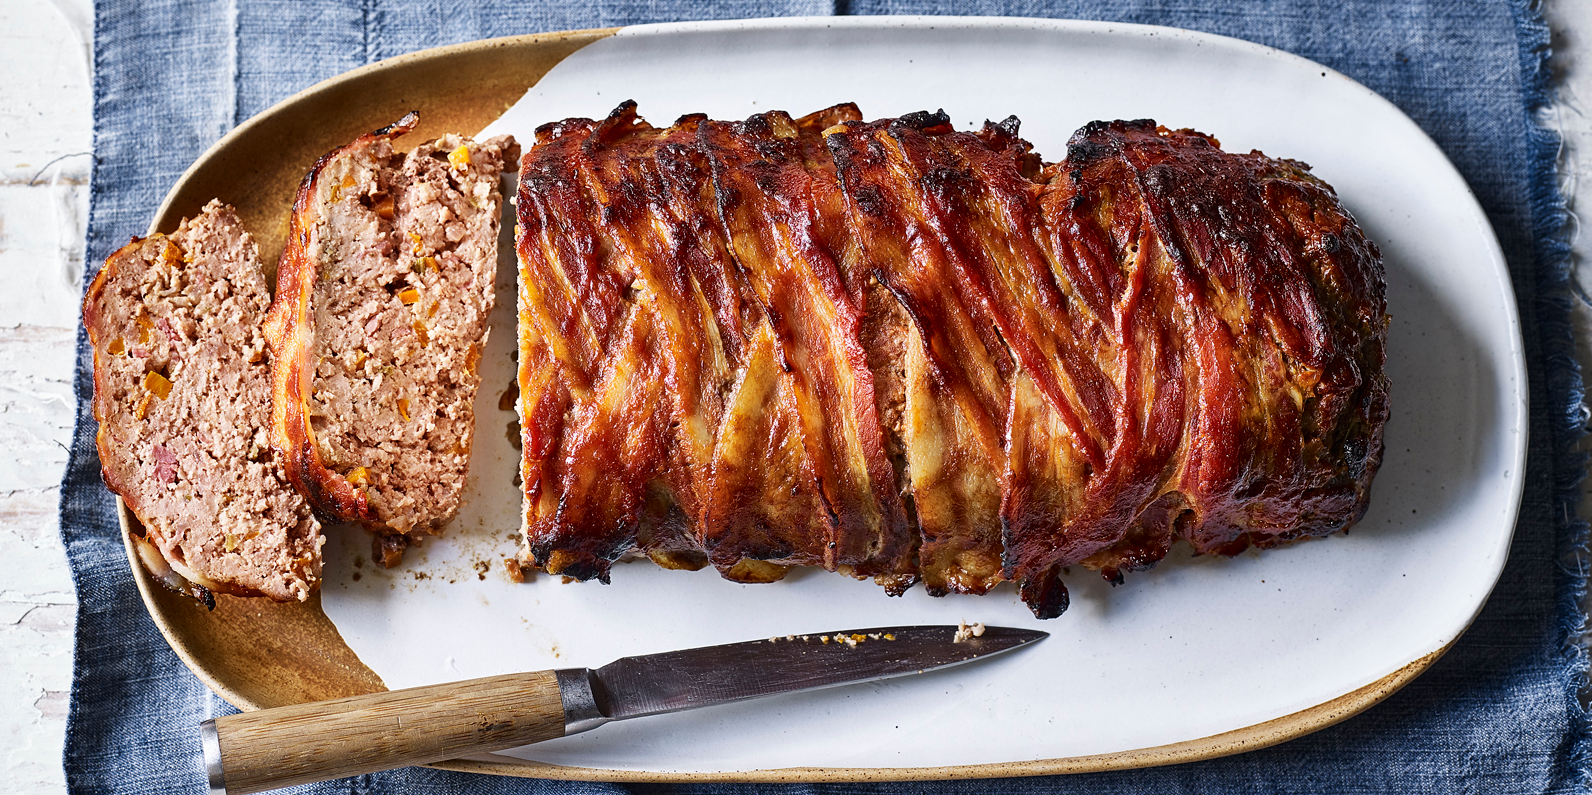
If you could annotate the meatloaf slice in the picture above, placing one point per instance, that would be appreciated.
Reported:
(383, 294)
(182, 394)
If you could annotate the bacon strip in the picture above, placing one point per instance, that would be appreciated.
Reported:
(768, 173)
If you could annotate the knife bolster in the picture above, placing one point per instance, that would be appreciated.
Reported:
(210, 743)
(583, 698)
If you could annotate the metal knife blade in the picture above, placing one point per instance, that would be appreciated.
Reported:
(279, 747)
(654, 684)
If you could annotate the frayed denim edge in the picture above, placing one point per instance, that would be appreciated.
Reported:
(1565, 390)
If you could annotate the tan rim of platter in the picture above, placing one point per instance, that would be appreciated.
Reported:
(255, 653)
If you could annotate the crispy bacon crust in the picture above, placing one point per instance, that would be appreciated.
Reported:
(907, 352)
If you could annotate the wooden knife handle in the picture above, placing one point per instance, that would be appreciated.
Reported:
(303, 743)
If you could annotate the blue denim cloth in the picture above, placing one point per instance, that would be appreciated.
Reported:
(1498, 714)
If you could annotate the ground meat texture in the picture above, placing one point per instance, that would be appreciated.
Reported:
(383, 296)
(182, 396)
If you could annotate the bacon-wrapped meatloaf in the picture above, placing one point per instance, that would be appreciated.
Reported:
(182, 394)
(910, 353)
(380, 315)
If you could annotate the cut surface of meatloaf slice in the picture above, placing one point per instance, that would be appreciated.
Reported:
(380, 316)
(904, 351)
(182, 394)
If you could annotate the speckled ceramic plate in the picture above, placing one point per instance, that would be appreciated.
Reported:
(1199, 658)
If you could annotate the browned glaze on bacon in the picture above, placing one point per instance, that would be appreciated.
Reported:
(906, 352)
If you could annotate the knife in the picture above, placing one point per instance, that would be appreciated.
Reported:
(299, 744)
